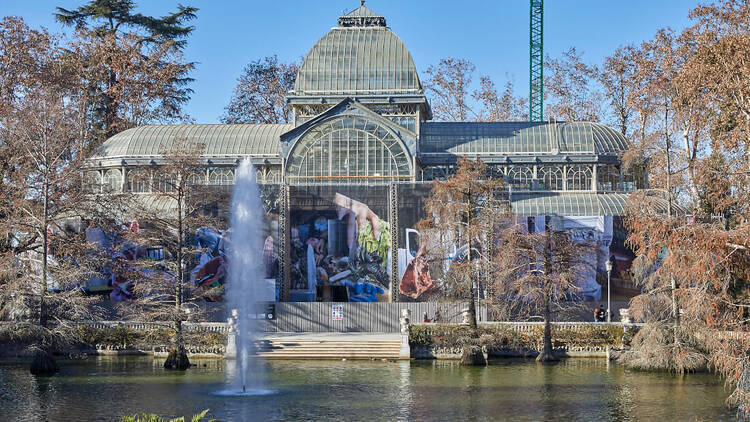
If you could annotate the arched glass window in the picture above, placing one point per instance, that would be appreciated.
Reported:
(197, 178)
(634, 178)
(221, 176)
(112, 181)
(550, 178)
(273, 175)
(579, 178)
(346, 150)
(608, 178)
(520, 177)
(92, 180)
(165, 182)
(138, 181)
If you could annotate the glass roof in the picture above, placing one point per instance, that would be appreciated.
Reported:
(357, 60)
(573, 204)
(519, 138)
(220, 140)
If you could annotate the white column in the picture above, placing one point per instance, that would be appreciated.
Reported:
(594, 183)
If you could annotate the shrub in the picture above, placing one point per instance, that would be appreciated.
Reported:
(143, 417)
(504, 337)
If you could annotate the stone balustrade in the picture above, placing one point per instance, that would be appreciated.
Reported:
(218, 327)
(531, 325)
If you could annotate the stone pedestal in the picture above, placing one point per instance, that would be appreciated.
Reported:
(405, 350)
(231, 350)
(625, 316)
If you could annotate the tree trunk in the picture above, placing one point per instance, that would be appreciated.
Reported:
(547, 354)
(472, 356)
(177, 358)
(473, 314)
(673, 283)
(45, 251)
(43, 364)
(675, 310)
(690, 153)
(472, 305)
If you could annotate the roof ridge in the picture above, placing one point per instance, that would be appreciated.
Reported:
(362, 11)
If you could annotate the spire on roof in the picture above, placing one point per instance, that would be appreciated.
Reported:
(361, 16)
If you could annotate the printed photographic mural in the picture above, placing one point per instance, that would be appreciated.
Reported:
(210, 272)
(340, 243)
(208, 266)
(417, 276)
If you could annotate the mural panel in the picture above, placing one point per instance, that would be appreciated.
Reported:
(340, 243)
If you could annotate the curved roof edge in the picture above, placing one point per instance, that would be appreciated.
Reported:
(520, 138)
(221, 140)
(576, 204)
(358, 60)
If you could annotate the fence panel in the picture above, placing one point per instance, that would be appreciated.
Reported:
(359, 316)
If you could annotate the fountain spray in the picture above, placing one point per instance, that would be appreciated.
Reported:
(246, 270)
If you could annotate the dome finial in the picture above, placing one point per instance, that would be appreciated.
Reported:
(361, 17)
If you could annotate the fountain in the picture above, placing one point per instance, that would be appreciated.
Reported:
(246, 273)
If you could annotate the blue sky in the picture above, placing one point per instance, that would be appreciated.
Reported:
(492, 34)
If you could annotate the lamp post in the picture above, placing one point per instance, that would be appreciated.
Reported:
(608, 265)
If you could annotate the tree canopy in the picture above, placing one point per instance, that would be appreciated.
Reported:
(260, 94)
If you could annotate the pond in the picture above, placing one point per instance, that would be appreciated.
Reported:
(104, 388)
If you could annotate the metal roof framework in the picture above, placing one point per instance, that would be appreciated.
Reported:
(357, 60)
(574, 204)
(222, 142)
(520, 138)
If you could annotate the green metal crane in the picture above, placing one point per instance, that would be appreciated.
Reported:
(536, 61)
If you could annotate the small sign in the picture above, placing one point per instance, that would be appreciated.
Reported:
(337, 312)
(264, 311)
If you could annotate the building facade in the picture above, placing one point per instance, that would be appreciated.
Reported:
(352, 167)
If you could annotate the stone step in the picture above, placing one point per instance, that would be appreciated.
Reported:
(330, 341)
(271, 348)
(329, 356)
(324, 351)
(329, 349)
(324, 346)
(328, 346)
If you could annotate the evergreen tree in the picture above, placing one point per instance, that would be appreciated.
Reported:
(122, 52)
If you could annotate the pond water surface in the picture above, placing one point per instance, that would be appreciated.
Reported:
(103, 389)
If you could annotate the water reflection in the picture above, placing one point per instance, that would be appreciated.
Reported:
(105, 388)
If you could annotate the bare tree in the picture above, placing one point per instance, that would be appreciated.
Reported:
(716, 75)
(617, 79)
(162, 290)
(462, 212)
(541, 270)
(260, 94)
(44, 197)
(570, 90)
(499, 107)
(449, 85)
